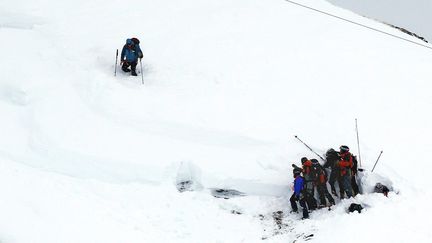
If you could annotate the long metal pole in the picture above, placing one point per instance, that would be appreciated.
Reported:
(115, 67)
(310, 148)
(377, 160)
(358, 142)
(142, 74)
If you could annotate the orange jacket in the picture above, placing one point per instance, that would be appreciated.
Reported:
(345, 162)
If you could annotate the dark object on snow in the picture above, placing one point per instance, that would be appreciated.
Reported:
(278, 217)
(184, 186)
(380, 188)
(226, 193)
(355, 207)
(235, 212)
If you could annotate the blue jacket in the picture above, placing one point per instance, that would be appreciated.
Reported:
(131, 51)
(298, 185)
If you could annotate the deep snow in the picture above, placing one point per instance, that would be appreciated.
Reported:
(89, 157)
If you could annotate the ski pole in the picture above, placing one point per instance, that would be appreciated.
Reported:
(310, 148)
(115, 66)
(358, 142)
(142, 75)
(377, 161)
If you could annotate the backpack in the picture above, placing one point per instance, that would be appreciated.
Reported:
(331, 158)
(135, 40)
(355, 207)
(319, 173)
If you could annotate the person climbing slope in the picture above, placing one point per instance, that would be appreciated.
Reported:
(129, 55)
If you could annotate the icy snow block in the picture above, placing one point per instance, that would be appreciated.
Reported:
(185, 186)
(188, 177)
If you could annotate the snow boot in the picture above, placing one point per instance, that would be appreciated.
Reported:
(125, 68)
(133, 73)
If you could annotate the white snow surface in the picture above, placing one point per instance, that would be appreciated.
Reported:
(89, 157)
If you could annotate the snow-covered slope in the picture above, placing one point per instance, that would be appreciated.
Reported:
(89, 157)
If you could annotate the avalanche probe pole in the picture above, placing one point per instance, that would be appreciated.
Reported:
(142, 75)
(377, 161)
(358, 142)
(309, 148)
(115, 66)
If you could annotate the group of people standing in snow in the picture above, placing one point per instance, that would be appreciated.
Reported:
(312, 176)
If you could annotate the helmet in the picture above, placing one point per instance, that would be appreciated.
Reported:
(303, 160)
(129, 42)
(330, 151)
(344, 149)
(297, 171)
(314, 161)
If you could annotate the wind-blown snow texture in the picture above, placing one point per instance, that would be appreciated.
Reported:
(89, 157)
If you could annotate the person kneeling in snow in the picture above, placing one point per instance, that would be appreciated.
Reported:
(298, 193)
(129, 56)
(380, 188)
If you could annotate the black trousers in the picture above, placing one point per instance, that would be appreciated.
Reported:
(131, 64)
(354, 185)
(335, 177)
(302, 202)
(323, 193)
(309, 193)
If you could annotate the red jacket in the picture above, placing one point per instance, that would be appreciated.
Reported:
(345, 162)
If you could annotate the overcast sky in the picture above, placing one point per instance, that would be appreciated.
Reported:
(413, 15)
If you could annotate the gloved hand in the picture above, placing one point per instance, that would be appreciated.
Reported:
(140, 55)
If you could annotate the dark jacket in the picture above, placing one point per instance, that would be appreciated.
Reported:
(131, 51)
(332, 157)
(320, 174)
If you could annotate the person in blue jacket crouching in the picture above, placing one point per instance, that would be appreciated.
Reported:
(129, 56)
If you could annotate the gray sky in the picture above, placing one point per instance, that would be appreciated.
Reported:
(413, 15)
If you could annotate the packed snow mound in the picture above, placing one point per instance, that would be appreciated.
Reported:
(89, 157)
